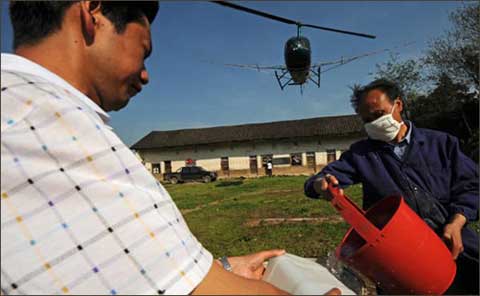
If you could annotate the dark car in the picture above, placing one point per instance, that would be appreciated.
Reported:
(190, 173)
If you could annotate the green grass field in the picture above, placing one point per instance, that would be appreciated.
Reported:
(227, 216)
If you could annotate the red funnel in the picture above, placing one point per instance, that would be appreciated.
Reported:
(394, 247)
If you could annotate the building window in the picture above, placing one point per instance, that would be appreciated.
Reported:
(156, 168)
(168, 166)
(224, 164)
(281, 161)
(331, 155)
(296, 159)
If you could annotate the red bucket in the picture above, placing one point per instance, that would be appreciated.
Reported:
(394, 247)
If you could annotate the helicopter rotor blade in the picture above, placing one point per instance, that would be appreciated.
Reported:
(285, 20)
(346, 60)
(256, 12)
(339, 31)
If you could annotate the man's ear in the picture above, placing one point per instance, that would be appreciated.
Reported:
(400, 104)
(88, 11)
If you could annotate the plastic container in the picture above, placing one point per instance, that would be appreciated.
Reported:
(394, 247)
(301, 276)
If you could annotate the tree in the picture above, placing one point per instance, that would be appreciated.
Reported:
(456, 54)
(450, 107)
(442, 88)
(407, 74)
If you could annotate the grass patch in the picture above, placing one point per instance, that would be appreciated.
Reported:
(217, 214)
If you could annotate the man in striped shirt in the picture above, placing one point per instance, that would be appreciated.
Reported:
(79, 212)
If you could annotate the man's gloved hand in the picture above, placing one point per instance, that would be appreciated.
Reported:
(452, 234)
(321, 184)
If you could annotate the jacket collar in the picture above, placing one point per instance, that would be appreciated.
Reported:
(417, 134)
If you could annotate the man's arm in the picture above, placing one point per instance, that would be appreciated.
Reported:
(464, 184)
(463, 206)
(218, 281)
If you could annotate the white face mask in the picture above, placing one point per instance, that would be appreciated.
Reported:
(385, 128)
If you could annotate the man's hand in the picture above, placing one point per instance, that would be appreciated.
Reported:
(321, 184)
(452, 234)
(334, 291)
(251, 266)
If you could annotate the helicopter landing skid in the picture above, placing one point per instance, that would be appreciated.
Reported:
(280, 77)
(282, 83)
(316, 75)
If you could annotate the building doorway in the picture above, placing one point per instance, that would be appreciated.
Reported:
(311, 163)
(253, 165)
(267, 163)
(224, 166)
(168, 166)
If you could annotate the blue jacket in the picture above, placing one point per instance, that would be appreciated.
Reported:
(436, 179)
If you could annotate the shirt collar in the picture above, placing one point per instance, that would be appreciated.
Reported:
(13, 62)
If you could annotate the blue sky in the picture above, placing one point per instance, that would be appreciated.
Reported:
(185, 91)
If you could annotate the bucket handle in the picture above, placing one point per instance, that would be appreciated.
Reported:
(353, 215)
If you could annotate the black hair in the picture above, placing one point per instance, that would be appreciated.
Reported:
(34, 20)
(391, 89)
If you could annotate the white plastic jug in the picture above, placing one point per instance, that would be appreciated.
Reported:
(301, 276)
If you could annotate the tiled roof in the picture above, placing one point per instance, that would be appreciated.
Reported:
(311, 127)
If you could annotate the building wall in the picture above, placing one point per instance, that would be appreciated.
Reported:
(209, 156)
(321, 157)
(177, 164)
(212, 164)
(238, 163)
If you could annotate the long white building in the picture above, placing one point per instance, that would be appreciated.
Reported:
(294, 147)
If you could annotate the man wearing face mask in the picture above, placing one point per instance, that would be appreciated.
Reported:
(425, 166)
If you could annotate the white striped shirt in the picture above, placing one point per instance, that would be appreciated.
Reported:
(79, 212)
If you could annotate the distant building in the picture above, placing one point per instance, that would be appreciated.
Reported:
(294, 147)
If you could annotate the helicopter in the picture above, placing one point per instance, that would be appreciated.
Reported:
(297, 52)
